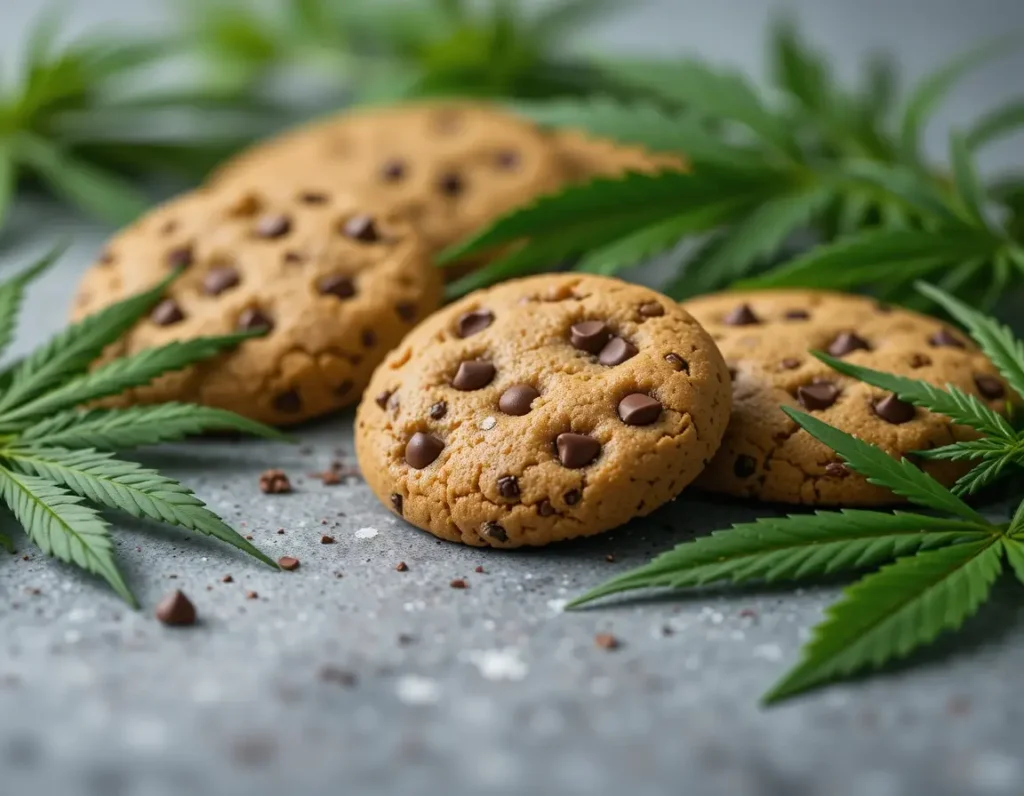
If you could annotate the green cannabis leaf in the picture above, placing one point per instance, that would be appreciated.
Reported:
(57, 458)
(933, 572)
(812, 157)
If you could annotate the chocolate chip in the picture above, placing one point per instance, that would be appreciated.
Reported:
(518, 399)
(846, 342)
(252, 319)
(167, 313)
(797, 315)
(577, 450)
(288, 563)
(616, 352)
(368, 338)
(919, 361)
(493, 530)
(944, 337)
(572, 497)
(289, 402)
(422, 449)
(818, 395)
(741, 316)
(677, 362)
(744, 466)
(336, 285)
(837, 470)
(652, 309)
(294, 257)
(382, 399)
(892, 410)
(590, 336)
(507, 159)
(361, 228)
(313, 198)
(406, 311)
(789, 363)
(508, 487)
(273, 226)
(990, 387)
(545, 509)
(392, 171)
(473, 375)
(275, 482)
(450, 185)
(220, 279)
(638, 409)
(396, 503)
(176, 610)
(438, 410)
(325, 539)
(459, 583)
(471, 323)
(180, 257)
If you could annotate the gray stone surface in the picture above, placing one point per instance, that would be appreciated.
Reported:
(490, 690)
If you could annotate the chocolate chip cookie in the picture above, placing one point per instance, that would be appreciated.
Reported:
(335, 287)
(450, 167)
(542, 409)
(585, 157)
(765, 337)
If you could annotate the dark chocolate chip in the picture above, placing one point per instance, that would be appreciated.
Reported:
(406, 311)
(471, 323)
(422, 450)
(289, 402)
(382, 399)
(508, 487)
(572, 497)
(507, 159)
(273, 226)
(818, 395)
(616, 352)
(652, 309)
(336, 285)
(294, 257)
(252, 319)
(837, 470)
(361, 228)
(797, 315)
(368, 338)
(847, 342)
(545, 509)
(577, 450)
(392, 171)
(176, 610)
(677, 362)
(892, 410)
(990, 387)
(741, 316)
(638, 409)
(220, 279)
(313, 198)
(590, 336)
(438, 410)
(744, 466)
(180, 258)
(789, 363)
(473, 375)
(107, 257)
(450, 185)
(944, 337)
(166, 313)
(493, 530)
(919, 361)
(518, 399)
(396, 503)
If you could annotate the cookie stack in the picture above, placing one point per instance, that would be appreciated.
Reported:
(325, 237)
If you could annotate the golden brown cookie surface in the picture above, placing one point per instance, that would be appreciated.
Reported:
(337, 289)
(765, 337)
(542, 409)
(449, 167)
(585, 157)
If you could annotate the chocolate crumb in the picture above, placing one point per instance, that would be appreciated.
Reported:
(227, 579)
(251, 595)
(275, 482)
(288, 563)
(459, 583)
(606, 641)
(325, 539)
(401, 566)
(479, 570)
(176, 610)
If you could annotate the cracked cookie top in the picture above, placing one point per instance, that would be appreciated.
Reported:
(335, 286)
(766, 337)
(542, 409)
(451, 167)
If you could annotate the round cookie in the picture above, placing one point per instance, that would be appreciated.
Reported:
(765, 337)
(585, 157)
(337, 288)
(450, 167)
(542, 409)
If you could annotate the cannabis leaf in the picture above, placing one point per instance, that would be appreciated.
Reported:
(57, 458)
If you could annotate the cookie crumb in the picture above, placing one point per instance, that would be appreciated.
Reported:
(401, 566)
(251, 595)
(479, 570)
(610, 558)
(325, 539)
(288, 563)
(275, 482)
(227, 579)
(459, 583)
(607, 641)
(176, 610)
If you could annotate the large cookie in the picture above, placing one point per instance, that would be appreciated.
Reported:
(765, 337)
(336, 287)
(450, 167)
(585, 157)
(542, 409)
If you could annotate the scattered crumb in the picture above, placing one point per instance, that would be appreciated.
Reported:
(479, 570)
(332, 674)
(288, 563)
(275, 482)
(401, 566)
(172, 577)
(251, 595)
(249, 537)
(610, 558)
(405, 639)
(607, 641)
(459, 583)
(176, 610)
(748, 613)
(325, 539)
(227, 579)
